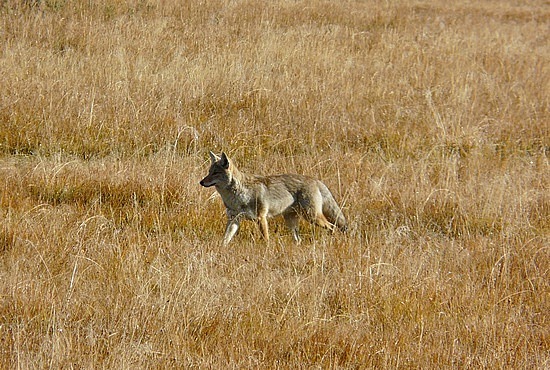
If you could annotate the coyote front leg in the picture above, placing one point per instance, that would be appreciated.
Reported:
(233, 223)
(262, 221)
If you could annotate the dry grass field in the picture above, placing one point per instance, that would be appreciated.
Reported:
(429, 120)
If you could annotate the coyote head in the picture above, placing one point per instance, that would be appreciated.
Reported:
(219, 173)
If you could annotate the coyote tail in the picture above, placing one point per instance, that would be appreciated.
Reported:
(331, 210)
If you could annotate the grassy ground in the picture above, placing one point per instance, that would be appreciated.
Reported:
(429, 120)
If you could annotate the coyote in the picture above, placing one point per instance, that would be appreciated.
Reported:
(255, 197)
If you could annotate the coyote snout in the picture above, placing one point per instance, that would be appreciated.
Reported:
(255, 197)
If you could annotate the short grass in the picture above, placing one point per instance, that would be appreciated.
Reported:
(429, 120)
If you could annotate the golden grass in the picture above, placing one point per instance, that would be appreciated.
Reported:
(429, 120)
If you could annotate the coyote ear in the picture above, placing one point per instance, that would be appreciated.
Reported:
(224, 161)
(213, 158)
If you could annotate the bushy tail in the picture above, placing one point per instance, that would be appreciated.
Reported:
(331, 210)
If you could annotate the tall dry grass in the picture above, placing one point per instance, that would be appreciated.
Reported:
(429, 120)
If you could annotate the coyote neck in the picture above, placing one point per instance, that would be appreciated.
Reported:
(237, 186)
(238, 178)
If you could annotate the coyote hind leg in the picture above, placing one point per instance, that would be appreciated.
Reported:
(322, 221)
(314, 212)
(291, 221)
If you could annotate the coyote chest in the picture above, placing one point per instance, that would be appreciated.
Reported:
(240, 203)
